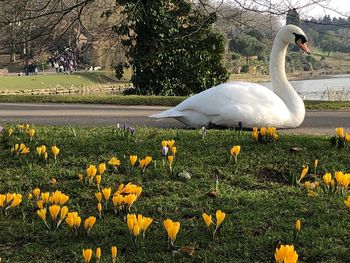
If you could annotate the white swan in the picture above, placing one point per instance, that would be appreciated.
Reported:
(252, 104)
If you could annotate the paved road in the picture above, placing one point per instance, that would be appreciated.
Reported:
(316, 122)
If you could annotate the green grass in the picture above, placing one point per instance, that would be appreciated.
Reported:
(84, 79)
(96, 99)
(142, 100)
(261, 206)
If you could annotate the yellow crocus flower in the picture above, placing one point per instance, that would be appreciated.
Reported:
(98, 254)
(340, 132)
(17, 199)
(315, 163)
(81, 177)
(2, 200)
(54, 211)
(89, 223)
(31, 133)
(220, 216)
(70, 221)
(131, 221)
(143, 163)
(117, 199)
(347, 137)
(271, 131)
(170, 159)
(55, 151)
(9, 132)
(133, 159)
(40, 204)
(36, 192)
(327, 178)
(129, 199)
(148, 160)
(346, 180)
(62, 199)
(235, 150)
(172, 229)
(114, 161)
(99, 209)
(207, 219)
(98, 196)
(146, 222)
(98, 179)
(63, 213)
(173, 150)
(307, 184)
(9, 197)
(42, 214)
(136, 231)
(114, 251)
(45, 196)
(304, 172)
(286, 253)
(53, 181)
(30, 196)
(171, 143)
(312, 193)
(263, 131)
(87, 254)
(255, 136)
(347, 201)
(91, 171)
(106, 193)
(339, 176)
(38, 150)
(73, 220)
(101, 168)
(43, 149)
(23, 149)
(297, 225)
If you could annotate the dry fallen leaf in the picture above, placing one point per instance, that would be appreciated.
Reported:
(187, 250)
(296, 149)
(213, 194)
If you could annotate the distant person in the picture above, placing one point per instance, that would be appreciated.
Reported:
(56, 66)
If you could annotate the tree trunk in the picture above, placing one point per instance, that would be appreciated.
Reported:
(13, 56)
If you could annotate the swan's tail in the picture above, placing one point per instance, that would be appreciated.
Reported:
(171, 113)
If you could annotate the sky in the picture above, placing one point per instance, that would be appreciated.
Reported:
(339, 6)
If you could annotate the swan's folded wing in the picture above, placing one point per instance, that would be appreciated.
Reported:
(239, 96)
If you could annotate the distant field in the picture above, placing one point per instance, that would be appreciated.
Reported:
(84, 79)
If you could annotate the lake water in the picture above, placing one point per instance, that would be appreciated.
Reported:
(334, 87)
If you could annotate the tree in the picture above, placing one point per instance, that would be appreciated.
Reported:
(293, 17)
(247, 46)
(172, 47)
(330, 43)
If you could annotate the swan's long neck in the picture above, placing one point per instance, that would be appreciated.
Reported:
(280, 84)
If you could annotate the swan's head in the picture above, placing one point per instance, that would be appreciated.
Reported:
(294, 35)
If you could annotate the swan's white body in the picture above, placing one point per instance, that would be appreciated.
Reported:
(252, 104)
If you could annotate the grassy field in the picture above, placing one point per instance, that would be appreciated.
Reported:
(142, 100)
(83, 79)
(260, 204)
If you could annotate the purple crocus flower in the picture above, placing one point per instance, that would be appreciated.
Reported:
(165, 150)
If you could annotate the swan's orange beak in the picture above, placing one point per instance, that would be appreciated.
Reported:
(303, 46)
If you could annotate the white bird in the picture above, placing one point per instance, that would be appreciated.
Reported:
(252, 104)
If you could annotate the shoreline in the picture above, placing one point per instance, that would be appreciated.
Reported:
(302, 75)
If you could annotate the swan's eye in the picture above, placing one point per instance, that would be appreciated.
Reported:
(300, 37)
